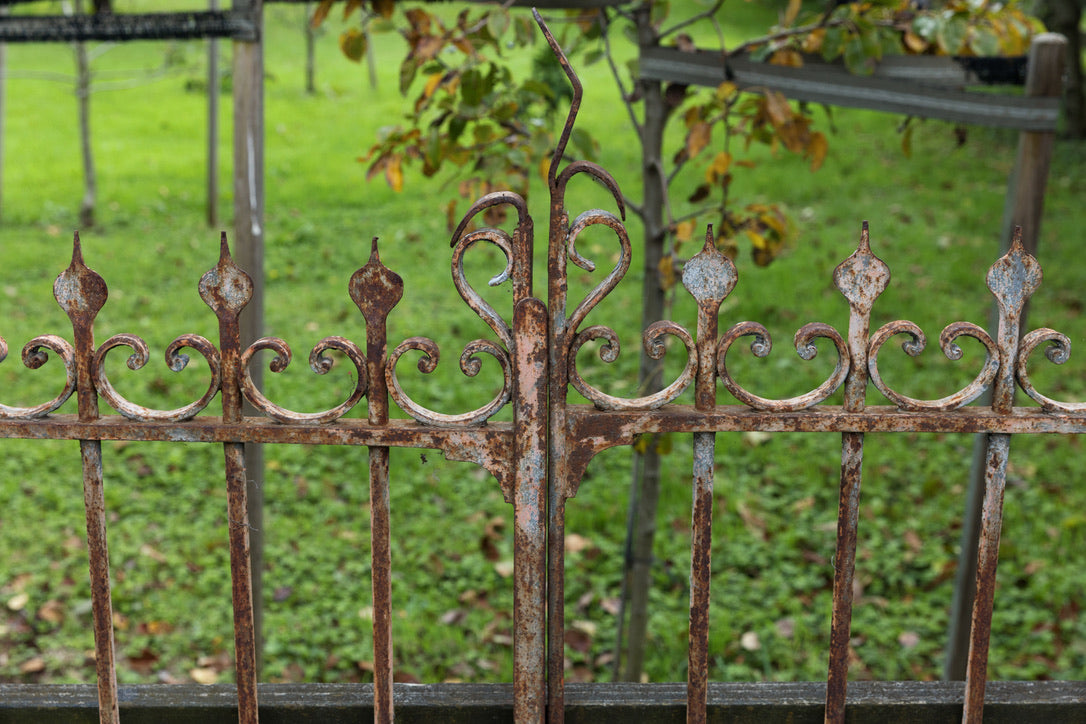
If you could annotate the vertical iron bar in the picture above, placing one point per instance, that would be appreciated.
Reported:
(241, 586)
(381, 584)
(701, 539)
(709, 276)
(530, 510)
(101, 597)
(852, 449)
(1012, 279)
(81, 293)
(861, 279)
(557, 452)
(227, 289)
(987, 559)
(375, 290)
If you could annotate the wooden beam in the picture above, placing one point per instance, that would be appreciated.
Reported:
(833, 85)
(893, 702)
(122, 27)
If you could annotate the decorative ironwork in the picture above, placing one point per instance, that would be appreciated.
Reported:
(539, 457)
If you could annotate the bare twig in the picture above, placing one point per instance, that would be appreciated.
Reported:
(605, 26)
(782, 34)
(693, 19)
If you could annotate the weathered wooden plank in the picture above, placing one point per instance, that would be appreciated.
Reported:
(1053, 702)
(824, 83)
(126, 26)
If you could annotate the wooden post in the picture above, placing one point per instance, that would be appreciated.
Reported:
(1024, 205)
(3, 92)
(213, 89)
(645, 479)
(248, 245)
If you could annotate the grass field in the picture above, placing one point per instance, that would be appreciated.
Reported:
(935, 219)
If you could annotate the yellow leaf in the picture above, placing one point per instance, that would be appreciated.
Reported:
(756, 239)
(667, 273)
(774, 222)
(817, 148)
(720, 165)
(684, 231)
(813, 42)
(787, 57)
(394, 173)
(915, 43)
(725, 91)
(432, 83)
(352, 42)
(698, 138)
(544, 167)
(792, 11)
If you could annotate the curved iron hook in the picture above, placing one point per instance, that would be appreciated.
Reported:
(574, 106)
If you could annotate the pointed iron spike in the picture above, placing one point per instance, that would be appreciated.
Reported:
(865, 237)
(224, 247)
(710, 242)
(77, 250)
(1016, 239)
(375, 257)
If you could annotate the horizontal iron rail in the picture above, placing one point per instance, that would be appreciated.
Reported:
(893, 702)
(591, 426)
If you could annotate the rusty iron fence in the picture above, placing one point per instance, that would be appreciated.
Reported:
(539, 458)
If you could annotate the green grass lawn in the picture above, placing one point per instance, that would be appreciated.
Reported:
(935, 219)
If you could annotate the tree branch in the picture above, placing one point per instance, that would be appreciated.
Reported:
(782, 34)
(606, 27)
(692, 19)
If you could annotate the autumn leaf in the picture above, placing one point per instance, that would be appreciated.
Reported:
(321, 12)
(204, 675)
(792, 12)
(383, 8)
(915, 43)
(51, 611)
(777, 108)
(352, 42)
(813, 42)
(718, 168)
(697, 138)
(726, 91)
(394, 173)
(684, 231)
(350, 6)
(817, 148)
(667, 272)
(35, 665)
(787, 57)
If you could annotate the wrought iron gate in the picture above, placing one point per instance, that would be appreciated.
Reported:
(539, 458)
